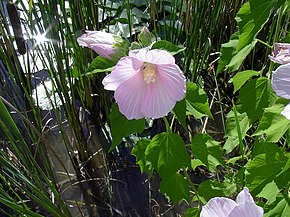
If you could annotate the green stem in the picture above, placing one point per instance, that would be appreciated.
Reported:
(168, 129)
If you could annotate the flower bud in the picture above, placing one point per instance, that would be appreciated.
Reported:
(281, 53)
(146, 38)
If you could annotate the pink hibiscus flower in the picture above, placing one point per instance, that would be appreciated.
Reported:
(101, 42)
(224, 207)
(147, 83)
(281, 53)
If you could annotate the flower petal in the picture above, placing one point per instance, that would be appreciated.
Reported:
(125, 68)
(286, 111)
(281, 81)
(129, 96)
(156, 103)
(218, 207)
(152, 56)
(173, 80)
(244, 196)
(247, 209)
(103, 50)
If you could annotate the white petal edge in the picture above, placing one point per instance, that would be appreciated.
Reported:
(286, 112)
(155, 56)
(218, 207)
(247, 209)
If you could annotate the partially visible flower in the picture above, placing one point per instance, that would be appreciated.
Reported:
(281, 85)
(224, 207)
(281, 53)
(101, 42)
(147, 83)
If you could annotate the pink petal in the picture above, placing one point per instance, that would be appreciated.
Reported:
(244, 196)
(286, 111)
(218, 207)
(95, 37)
(129, 96)
(173, 80)
(125, 69)
(152, 56)
(281, 81)
(156, 103)
(281, 53)
(247, 210)
(103, 50)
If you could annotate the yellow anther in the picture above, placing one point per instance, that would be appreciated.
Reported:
(149, 72)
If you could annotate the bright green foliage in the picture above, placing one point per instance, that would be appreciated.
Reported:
(118, 122)
(242, 77)
(192, 212)
(208, 151)
(175, 187)
(180, 112)
(139, 152)
(280, 208)
(230, 58)
(251, 18)
(273, 124)
(167, 153)
(269, 192)
(210, 188)
(255, 96)
(100, 64)
(266, 168)
(168, 46)
(232, 129)
(197, 101)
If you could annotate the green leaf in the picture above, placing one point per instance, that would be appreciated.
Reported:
(264, 169)
(100, 64)
(265, 147)
(197, 101)
(180, 112)
(168, 46)
(269, 192)
(139, 152)
(167, 153)
(242, 77)
(251, 18)
(280, 208)
(192, 212)
(232, 130)
(195, 163)
(230, 59)
(273, 124)
(121, 126)
(210, 188)
(208, 151)
(175, 187)
(255, 96)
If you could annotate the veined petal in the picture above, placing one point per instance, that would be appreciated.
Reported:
(125, 69)
(281, 81)
(244, 196)
(129, 96)
(173, 80)
(286, 111)
(156, 103)
(247, 209)
(152, 56)
(218, 207)
(104, 50)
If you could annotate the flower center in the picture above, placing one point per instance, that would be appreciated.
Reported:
(149, 72)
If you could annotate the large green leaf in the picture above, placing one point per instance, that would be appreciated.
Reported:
(175, 187)
(265, 147)
(273, 124)
(121, 126)
(269, 192)
(251, 18)
(180, 112)
(139, 152)
(100, 64)
(167, 153)
(280, 208)
(197, 101)
(255, 96)
(210, 188)
(232, 129)
(230, 58)
(242, 77)
(266, 168)
(168, 46)
(208, 151)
